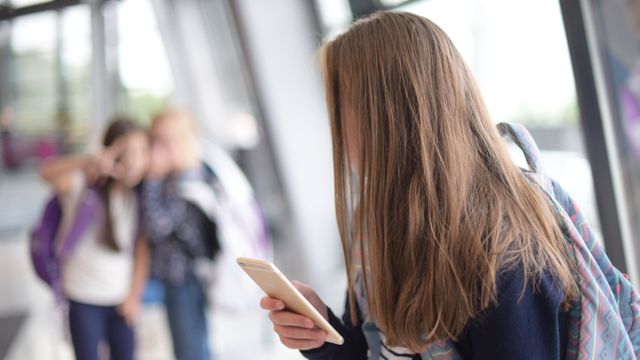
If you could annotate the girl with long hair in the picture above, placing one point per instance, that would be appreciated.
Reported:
(103, 277)
(444, 238)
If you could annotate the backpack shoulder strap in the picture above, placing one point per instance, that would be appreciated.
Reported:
(608, 303)
(87, 209)
(521, 137)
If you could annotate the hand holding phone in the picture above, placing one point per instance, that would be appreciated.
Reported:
(298, 314)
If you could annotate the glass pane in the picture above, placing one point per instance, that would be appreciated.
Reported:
(35, 73)
(46, 86)
(75, 54)
(620, 25)
(513, 56)
(143, 64)
(335, 15)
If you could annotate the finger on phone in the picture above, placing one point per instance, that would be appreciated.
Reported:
(287, 318)
(271, 304)
(300, 344)
(300, 333)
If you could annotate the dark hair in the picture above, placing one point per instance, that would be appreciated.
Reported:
(121, 125)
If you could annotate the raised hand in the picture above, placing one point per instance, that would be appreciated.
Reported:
(106, 162)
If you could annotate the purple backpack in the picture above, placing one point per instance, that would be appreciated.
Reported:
(47, 249)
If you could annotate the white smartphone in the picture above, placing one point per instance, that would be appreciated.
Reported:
(277, 286)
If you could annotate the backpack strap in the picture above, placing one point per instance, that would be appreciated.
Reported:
(85, 212)
(604, 322)
(521, 137)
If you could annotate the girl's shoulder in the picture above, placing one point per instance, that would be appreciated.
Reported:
(527, 318)
(514, 287)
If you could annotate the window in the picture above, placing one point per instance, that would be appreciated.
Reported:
(619, 25)
(144, 70)
(33, 45)
(47, 105)
(45, 97)
(75, 52)
(518, 53)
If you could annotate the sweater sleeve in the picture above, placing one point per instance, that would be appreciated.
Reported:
(522, 325)
(355, 344)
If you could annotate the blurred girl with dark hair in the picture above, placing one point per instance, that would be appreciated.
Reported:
(103, 277)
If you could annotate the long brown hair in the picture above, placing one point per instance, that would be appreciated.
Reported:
(440, 205)
(121, 125)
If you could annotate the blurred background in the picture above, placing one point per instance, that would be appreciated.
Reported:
(249, 72)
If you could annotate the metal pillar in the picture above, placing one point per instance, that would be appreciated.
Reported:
(596, 121)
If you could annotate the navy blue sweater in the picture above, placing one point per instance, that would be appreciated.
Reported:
(520, 326)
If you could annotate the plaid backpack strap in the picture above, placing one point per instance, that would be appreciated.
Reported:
(598, 328)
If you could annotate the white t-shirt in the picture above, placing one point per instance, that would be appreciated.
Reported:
(93, 273)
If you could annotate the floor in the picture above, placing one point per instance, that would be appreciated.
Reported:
(9, 328)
